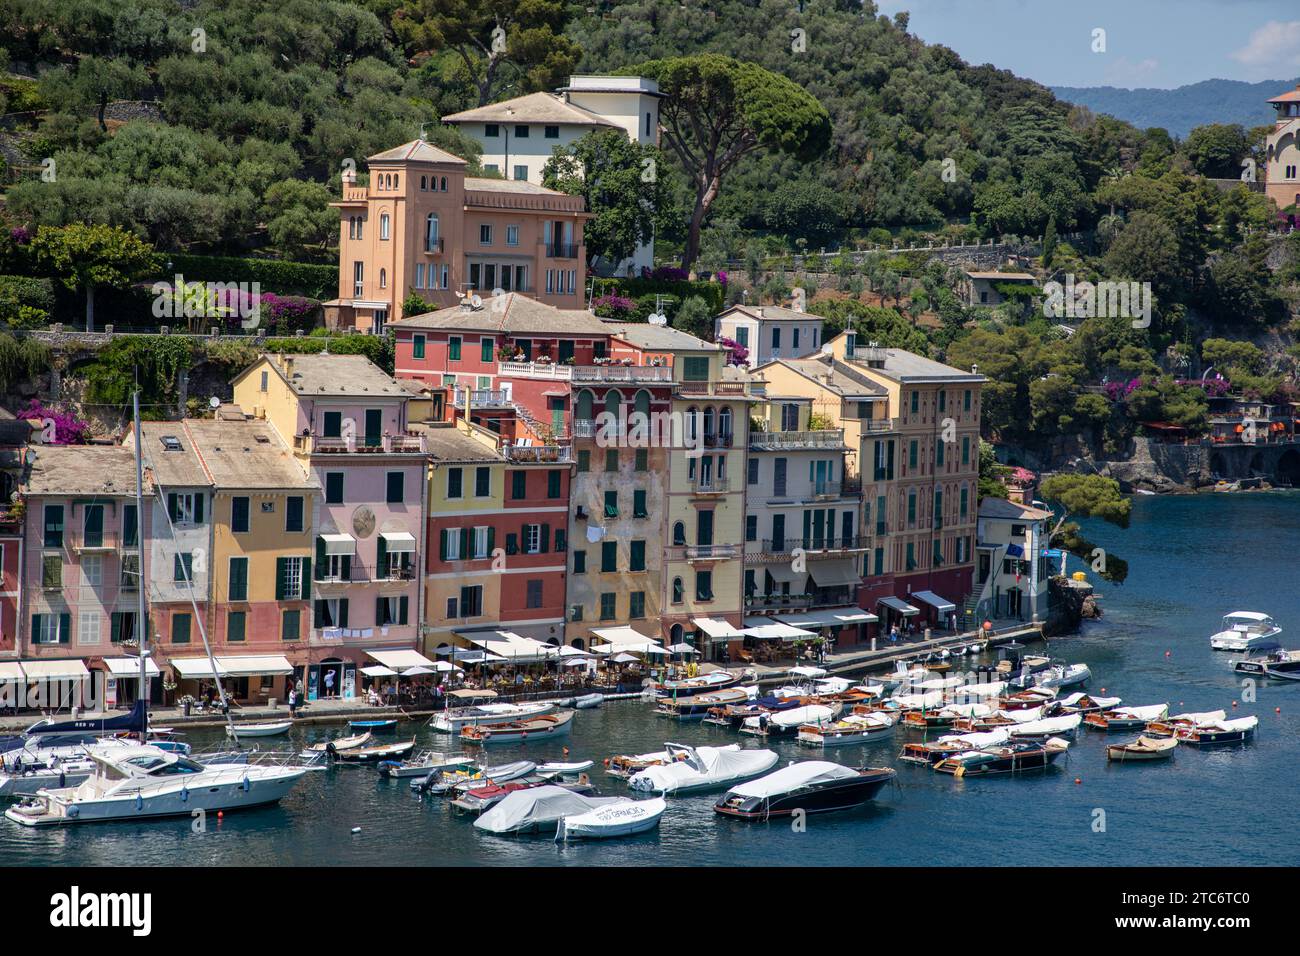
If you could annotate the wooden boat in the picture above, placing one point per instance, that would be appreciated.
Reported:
(714, 680)
(565, 769)
(429, 761)
(375, 752)
(1047, 727)
(1218, 732)
(696, 706)
(852, 729)
(439, 782)
(454, 719)
(337, 744)
(1011, 758)
(1125, 718)
(1144, 748)
(809, 786)
(1171, 725)
(625, 766)
(519, 731)
(1080, 704)
(789, 721)
(624, 818)
(945, 716)
(374, 726)
(270, 728)
(929, 754)
(478, 799)
(1028, 698)
(733, 715)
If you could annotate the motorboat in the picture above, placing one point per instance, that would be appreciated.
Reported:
(538, 809)
(1278, 664)
(1246, 631)
(1125, 718)
(454, 720)
(714, 680)
(135, 782)
(1053, 677)
(1218, 732)
(931, 700)
(972, 693)
(337, 744)
(626, 766)
(1012, 757)
(443, 781)
(1046, 727)
(702, 768)
(423, 764)
(271, 728)
(849, 730)
(810, 786)
(929, 754)
(945, 716)
(733, 715)
(1028, 698)
(1001, 719)
(696, 706)
(624, 818)
(484, 798)
(789, 721)
(571, 769)
(1169, 726)
(1144, 748)
(544, 727)
(373, 726)
(375, 752)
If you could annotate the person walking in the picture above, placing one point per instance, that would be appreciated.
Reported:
(293, 702)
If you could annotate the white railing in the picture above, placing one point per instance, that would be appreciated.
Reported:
(547, 370)
(479, 397)
(826, 438)
(622, 373)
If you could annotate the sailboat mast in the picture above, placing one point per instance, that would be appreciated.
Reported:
(142, 625)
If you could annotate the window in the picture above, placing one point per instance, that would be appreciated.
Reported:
(966, 401)
(182, 568)
(533, 598)
(642, 459)
(236, 626)
(129, 576)
(551, 132)
(751, 527)
(636, 605)
(584, 460)
(491, 130)
(384, 223)
(486, 347)
(911, 556)
(521, 131)
(964, 502)
(482, 482)
(943, 399)
(237, 587)
(677, 591)
(704, 585)
(453, 348)
(609, 556)
(611, 459)
(911, 453)
(52, 572)
(965, 450)
(553, 484)
(396, 491)
(580, 562)
(485, 234)
(334, 487)
(290, 581)
(639, 504)
(753, 471)
(611, 504)
(358, 290)
(938, 509)
(454, 477)
(54, 526)
(512, 235)
(417, 342)
(180, 628)
(239, 515)
(916, 401)
(535, 536)
(290, 625)
(88, 627)
(776, 338)
(92, 526)
(636, 561)
(92, 570)
(293, 508)
(608, 606)
(911, 507)
(130, 527)
(575, 612)
(471, 601)
(51, 628)
(679, 534)
(332, 424)
(521, 173)
(518, 485)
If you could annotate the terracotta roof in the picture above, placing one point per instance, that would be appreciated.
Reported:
(1290, 96)
(532, 108)
(247, 454)
(82, 470)
(510, 314)
(416, 151)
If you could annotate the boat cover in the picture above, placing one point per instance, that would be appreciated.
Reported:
(1149, 712)
(809, 714)
(832, 685)
(537, 807)
(805, 773)
(136, 720)
(704, 766)
(1049, 725)
(938, 683)
(1102, 702)
(1025, 716)
(993, 738)
(874, 719)
(968, 710)
(933, 700)
(1203, 718)
(1241, 723)
(980, 690)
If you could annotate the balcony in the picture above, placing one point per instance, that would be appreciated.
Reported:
(481, 398)
(412, 444)
(538, 454)
(542, 370)
(781, 441)
(584, 428)
(719, 440)
(437, 247)
(102, 544)
(710, 485)
(720, 389)
(622, 373)
(710, 552)
(874, 426)
(812, 547)
(562, 250)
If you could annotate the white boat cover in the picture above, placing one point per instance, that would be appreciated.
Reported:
(1150, 712)
(874, 719)
(932, 700)
(614, 819)
(704, 767)
(804, 773)
(832, 685)
(938, 683)
(536, 807)
(1241, 723)
(1200, 719)
(796, 716)
(993, 738)
(1049, 725)
(968, 710)
(1102, 702)
(1025, 716)
(808, 672)
(979, 690)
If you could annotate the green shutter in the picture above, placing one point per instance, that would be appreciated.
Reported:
(492, 540)
(545, 538)
(281, 578)
(343, 612)
(402, 609)
(442, 544)
(321, 557)
(512, 544)
(115, 627)
(306, 579)
(174, 507)
(379, 612)
(464, 543)
(381, 557)
(65, 628)
(198, 508)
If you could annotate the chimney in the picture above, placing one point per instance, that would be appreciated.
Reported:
(974, 369)
(287, 362)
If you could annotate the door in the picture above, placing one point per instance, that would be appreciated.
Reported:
(704, 528)
(557, 414)
(374, 427)
(778, 477)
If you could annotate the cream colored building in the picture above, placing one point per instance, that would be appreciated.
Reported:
(1282, 176)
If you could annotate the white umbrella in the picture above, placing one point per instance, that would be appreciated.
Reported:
(624, 659)
(443, 667)
(682, 649)
(568, 651)
(418, 671)
(574, 662)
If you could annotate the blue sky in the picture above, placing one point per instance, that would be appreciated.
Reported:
(1156, 43)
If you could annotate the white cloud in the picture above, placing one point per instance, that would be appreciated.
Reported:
(1273, 48)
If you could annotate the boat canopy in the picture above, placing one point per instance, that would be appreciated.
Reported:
(917, 701)
(1241, 723)
(703, 767)
(1150, 712)
(400, 659)
(796, 716)
(1204, 717)
(942, 605)
(1102, 702)
(471, 694)
(806, 773)
(130, 666)
(968, 710)
(537, 807)
(802, 671)
(1023, 716)
(899, 605)
(1247, 616)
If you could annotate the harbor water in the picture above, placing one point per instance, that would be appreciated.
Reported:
(1192, 559)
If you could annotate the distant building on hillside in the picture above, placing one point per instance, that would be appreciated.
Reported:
(1282, 172)
(981, 288)
(770, 332)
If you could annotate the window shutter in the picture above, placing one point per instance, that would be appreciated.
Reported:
(281, 578)
(198, 508)
(544, 538)
(492, 540)
(381, 557)
(442, 544)
(36, 627)
(173, 507)
(343, 612)
(65, 628)
(512, 544)
(321, 557)
(306, 579)
(318, 615)
(402, 606)
(115, 627)
(464, 543)
(561, 540)
(380, 607)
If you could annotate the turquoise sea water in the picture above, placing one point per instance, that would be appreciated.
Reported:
(1191, 561)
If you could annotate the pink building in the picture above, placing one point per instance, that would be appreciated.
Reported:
(422, 226)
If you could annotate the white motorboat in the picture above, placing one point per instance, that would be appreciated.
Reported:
(454, 720)
(538, 809)
(130, 783)
(626, 766)
(702, 768)
(565, 769)
(789, 721)
(423, 764)
(355, 742)
(623, 818)
(853, 729)
(1246, 631)
(1060, 676)
(1047, 727)
(271, 728)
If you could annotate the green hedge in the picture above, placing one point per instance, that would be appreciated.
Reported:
(274, 275)
(26, 290)
(713, 293)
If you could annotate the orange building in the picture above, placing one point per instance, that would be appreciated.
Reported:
(422, 226)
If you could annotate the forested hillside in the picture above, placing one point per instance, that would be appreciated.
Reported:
(1183, 109)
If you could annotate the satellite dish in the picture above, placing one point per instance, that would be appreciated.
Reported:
(657, 318)
(476, 301)
(214, 403)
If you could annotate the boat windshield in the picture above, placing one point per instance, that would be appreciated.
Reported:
(180, 766)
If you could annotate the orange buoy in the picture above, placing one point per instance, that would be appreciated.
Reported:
(1078, 780)
(1277, 710)
(220, 814)
(606, 761)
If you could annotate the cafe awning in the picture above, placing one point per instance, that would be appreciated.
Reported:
(899, 605)
(68, 669)
(513, 647)
(716, 628)
(398, 540)
(11, 671)
(765, 629)
(942, 605)
(622, 636)
(130, 666)
(829, 617)
(400, 659)
(378, 670)
(835, 573)
(339, 544)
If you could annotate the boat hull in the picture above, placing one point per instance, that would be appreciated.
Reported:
(836, 795)
(454, 721)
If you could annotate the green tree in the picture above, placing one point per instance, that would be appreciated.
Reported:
(299, 218)
(83, 257)
(1217, 149)
(717, 110)
(1087, 496)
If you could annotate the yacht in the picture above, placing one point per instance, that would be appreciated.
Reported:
(1246, 631)
(128, 783)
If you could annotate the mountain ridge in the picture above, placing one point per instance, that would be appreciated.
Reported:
(1183, 108)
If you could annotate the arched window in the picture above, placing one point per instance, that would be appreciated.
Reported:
(708, 420)
(677, 594)
(361, 224)
(579, 643)
(614, 402)
(396, 179)
(424, 182)
(643, 403)
(444, 184)
(383, 278)
(692, 424)
(724, 423)
(431, 233)
(384, 223)
(585, 402)
(679, 533)
(676, 633)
